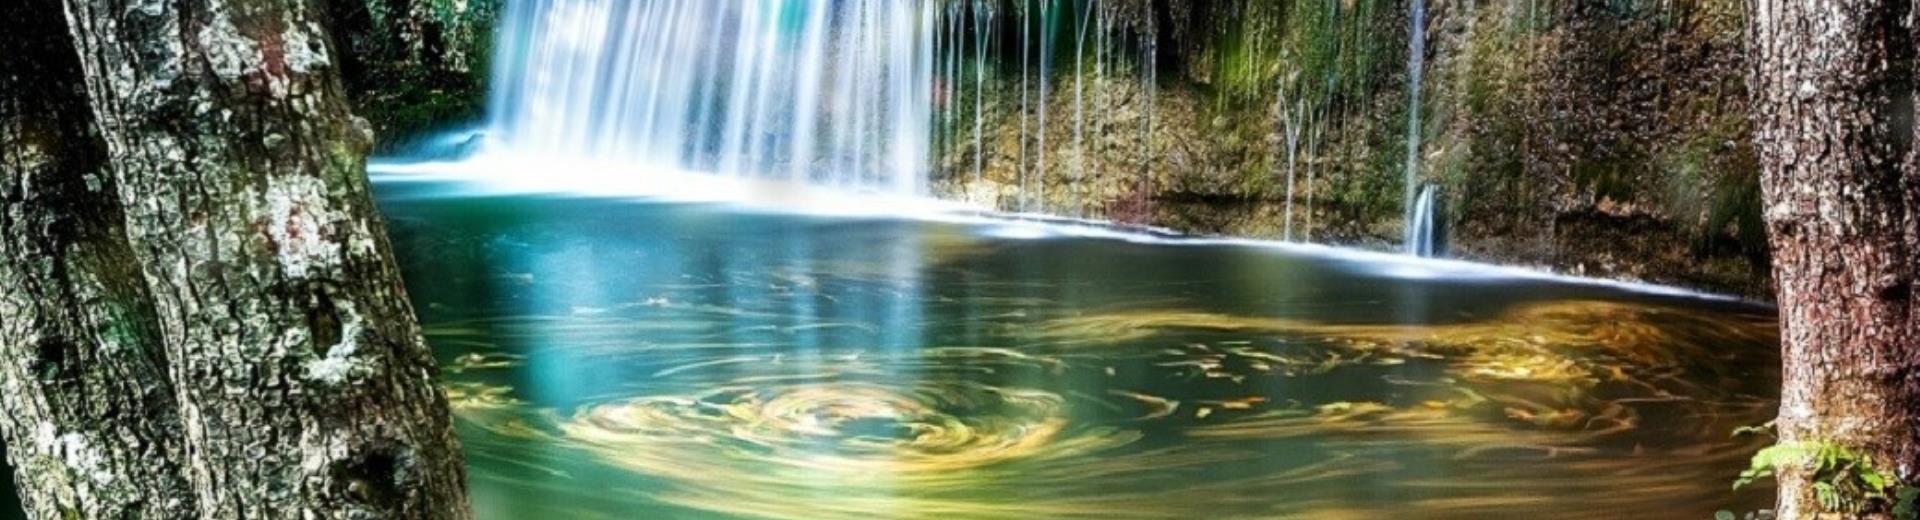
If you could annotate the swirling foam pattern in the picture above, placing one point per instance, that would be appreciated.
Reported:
(954, 432)
(919, 435)
(675, 362)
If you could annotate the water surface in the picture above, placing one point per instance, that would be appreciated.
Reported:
(631, 359)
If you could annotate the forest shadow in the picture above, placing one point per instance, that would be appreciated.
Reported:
(9, 497)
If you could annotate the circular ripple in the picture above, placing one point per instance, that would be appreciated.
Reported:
(840, 429)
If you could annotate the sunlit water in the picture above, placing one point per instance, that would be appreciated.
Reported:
(628, 359)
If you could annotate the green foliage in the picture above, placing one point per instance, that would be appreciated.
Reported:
(1759, 429)
(1711, 181)
(1331, 53)
(1250, 49)
(1844, 481)
(409, 81)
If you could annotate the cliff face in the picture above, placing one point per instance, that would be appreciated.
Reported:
(1609, 139)
(1599, 138)
(1606, 138)
(415, 66)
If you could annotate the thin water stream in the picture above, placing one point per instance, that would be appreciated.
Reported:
(1416, 68)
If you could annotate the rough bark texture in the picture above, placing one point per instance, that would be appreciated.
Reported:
(1833, 118)
(89, 411)
(203, 319)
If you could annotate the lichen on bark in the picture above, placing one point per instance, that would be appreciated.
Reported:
(1833, 114)
(187, 239)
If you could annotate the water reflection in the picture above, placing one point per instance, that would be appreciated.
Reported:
(615, 359)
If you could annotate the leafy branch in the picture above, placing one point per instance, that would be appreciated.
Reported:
(1844, 481)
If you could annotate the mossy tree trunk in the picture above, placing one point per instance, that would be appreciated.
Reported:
(203, 319)
(1833, 114)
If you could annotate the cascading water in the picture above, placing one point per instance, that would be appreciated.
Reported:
(1313, 150)
(1079, 111)
(1423, 231)
(1291, 131)
(864, 95)
(831, 92)
(983, 16)
(1046, 76)
(1416, 58)
(1020, 157)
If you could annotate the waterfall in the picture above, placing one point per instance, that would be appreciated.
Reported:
(832, 92)
(1416, 57)
(983, 22)
(950, 77)
(1046, 62)
(1079, 112)
(1313, 152)
(1106, 61)
(1149, 50)
(1423, 237)
(1026, 28)
(1293, 147)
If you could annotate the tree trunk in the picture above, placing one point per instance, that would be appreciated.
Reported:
(203, 316)
(1833, 112)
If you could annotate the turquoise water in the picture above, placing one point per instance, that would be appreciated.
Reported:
(630, 359)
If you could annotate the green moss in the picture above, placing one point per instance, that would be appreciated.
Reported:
(406, 87)
(1533, 110)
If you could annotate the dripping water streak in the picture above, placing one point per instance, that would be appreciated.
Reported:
(1416, 56)
(984, 22)
(1079, 112)
(1026, 30)
(1293, 140)
(1046, 59)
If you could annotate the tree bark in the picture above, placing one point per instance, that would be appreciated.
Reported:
(89, 412)
(203, 316)
(1833, 113)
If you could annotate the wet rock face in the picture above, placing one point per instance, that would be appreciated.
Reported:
(415, 66)
(1197, 114)
(1555, 129)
